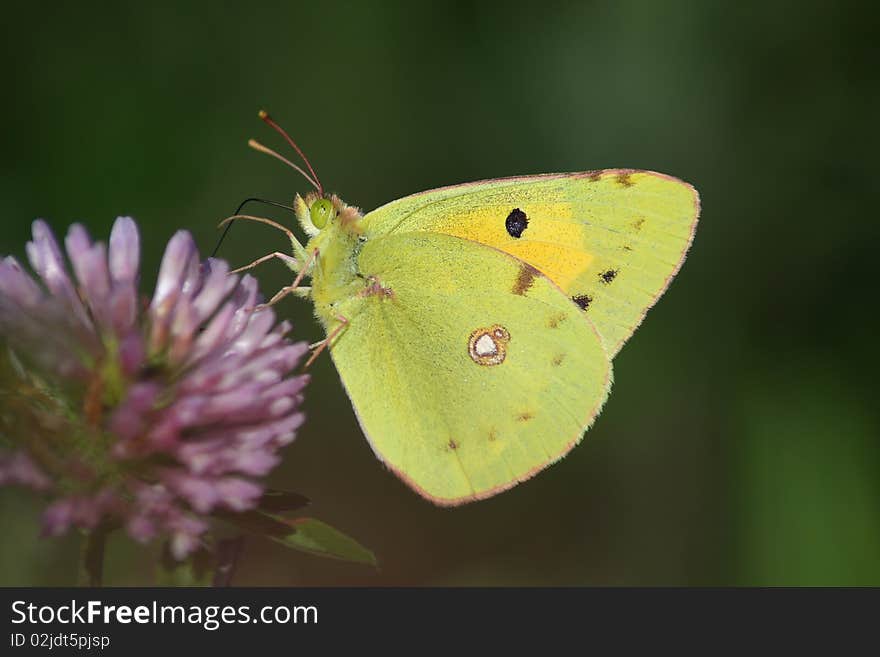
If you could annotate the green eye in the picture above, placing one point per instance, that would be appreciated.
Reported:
(322, 212)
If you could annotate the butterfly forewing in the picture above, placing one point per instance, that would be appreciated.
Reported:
(611, 240)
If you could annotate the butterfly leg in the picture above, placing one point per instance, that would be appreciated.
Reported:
(293, 287)
(283, 292)
(290, 261)
(323, 344)
(298, 249)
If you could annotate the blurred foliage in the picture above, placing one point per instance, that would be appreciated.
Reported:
(740, 444)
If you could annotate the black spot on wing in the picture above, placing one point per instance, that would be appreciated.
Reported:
(583, 300)
(608, 276)
(516, 223)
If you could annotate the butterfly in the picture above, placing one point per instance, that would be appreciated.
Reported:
(474, 326)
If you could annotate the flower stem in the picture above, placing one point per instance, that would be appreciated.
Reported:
(91, 571)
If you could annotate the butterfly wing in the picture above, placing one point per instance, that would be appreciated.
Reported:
(469, 370)
(612, 240)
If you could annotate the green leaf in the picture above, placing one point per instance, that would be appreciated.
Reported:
(303, 534)
(316, 537)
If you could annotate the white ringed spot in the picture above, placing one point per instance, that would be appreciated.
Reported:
(488, 346)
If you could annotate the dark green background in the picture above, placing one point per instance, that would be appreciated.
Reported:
(740, 444)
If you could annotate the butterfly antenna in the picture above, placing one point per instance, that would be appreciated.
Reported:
(238, 212)
(257, 146)
(268, 120)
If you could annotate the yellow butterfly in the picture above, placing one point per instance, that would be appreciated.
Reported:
(474, 326)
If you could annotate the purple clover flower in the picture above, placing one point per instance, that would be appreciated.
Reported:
(150, 416)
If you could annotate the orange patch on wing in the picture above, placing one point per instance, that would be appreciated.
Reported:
(551, 243)
(561, 264)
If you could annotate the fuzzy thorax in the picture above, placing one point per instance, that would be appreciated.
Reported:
(335, 272)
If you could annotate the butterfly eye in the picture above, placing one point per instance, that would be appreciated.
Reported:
(322, 212)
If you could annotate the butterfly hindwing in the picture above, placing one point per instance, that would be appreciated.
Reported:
(469, 370)
(611, 240)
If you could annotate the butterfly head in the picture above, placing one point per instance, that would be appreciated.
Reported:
(316, 212)
(321, 212)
